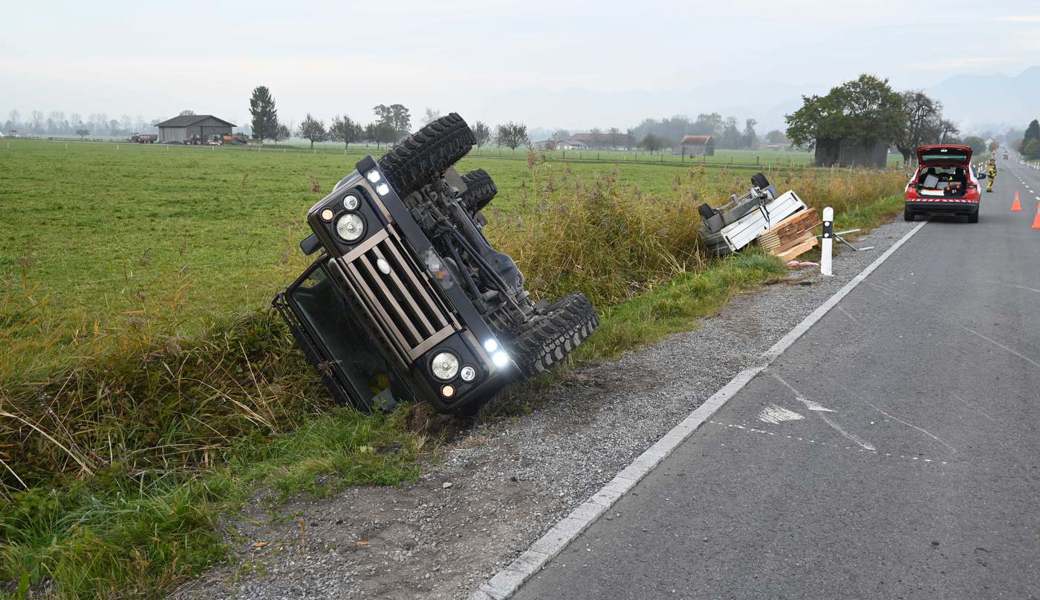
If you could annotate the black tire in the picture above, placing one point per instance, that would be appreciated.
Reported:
(480, 190)
(548, 340)
(973, 217)
(424, 156)
(908, 215)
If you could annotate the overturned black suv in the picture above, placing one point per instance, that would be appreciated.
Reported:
(408, 300)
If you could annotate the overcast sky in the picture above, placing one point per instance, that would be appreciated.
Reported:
(550, 64)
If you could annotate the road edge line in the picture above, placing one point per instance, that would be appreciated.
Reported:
(507, 581)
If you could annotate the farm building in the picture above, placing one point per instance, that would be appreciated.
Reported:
(185, 128)
(696, 145)
(851, 152)
(614, 140)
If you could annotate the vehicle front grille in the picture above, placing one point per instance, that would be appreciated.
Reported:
(397, 295)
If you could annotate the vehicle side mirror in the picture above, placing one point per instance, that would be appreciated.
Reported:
(982, 175)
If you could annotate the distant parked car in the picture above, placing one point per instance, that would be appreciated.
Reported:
(944, 184)
(144, 138)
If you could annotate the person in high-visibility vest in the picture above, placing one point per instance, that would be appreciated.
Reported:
(991, 174)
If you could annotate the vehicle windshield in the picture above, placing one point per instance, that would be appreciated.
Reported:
(328, 318)
(944, 156)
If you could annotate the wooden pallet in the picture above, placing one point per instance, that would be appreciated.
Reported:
(797, 250)
(789, 233)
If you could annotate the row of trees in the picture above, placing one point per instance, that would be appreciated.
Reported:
(726, 130)
(868, 108)
(392, 122)
(654, 134)
(1030, 144)
(57, 123)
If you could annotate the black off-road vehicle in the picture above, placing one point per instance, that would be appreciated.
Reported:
(408, 300)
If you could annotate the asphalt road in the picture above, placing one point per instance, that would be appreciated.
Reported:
(892, 452)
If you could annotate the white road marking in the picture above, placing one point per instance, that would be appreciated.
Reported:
(1021, 287)
(801, 398)
(821, 443)
(848, 314)
(777, 414)
(507, 581)
(909, 424)
(999, 345)
(970, 406)
(815, 406)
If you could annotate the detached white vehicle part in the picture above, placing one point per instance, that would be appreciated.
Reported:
(747, 228)
(739, 222)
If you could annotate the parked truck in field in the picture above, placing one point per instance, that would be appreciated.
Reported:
(407, 299)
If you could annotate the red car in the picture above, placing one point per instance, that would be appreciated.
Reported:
(944, 184)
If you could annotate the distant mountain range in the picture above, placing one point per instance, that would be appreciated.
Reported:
(994, 102)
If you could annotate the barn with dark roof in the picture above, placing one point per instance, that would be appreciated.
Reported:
(188, 128)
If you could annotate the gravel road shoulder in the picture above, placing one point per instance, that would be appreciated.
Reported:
(499, 485)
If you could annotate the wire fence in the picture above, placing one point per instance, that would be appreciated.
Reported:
(767, 159)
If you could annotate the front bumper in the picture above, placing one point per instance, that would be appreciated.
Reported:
(944, 206)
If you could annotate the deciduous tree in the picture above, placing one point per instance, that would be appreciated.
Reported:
(312, 129)
(652, 143)
(345, 130)
(512, 135)
(482, 133)
(395, 117)
(862, 109)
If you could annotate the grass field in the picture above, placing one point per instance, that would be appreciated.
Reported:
(144, 390)
(100, 237)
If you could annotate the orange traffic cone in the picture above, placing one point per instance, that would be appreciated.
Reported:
(1036, 219)
(1016, 206)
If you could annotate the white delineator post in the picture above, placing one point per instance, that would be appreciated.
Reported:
(827, 243)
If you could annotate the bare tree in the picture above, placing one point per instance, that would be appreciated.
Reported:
(652, 143)
(512, 135)
(281, 132)
(923, 116)
(948, 131)
(345, 130)
(312, 129)
(395, 117)
(482, 133)
(431, 115)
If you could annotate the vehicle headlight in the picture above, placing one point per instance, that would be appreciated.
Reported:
(468, 373)
(445, 366)
(500, 358)
(350, 227)
(491, 344)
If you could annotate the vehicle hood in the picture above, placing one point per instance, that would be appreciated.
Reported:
(943, 155)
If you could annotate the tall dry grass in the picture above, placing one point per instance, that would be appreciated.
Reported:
(606, 238)
(166, 404)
